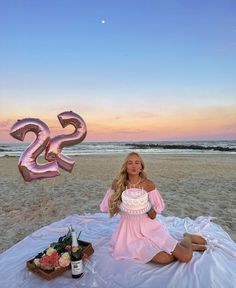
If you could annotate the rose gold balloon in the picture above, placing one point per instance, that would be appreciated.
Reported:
(53, 150)
(29, 169)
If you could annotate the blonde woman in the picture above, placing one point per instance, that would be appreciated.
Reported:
(141, 236)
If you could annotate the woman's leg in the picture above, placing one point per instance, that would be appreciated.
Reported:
(198, 247)
(163, 258)
(197, 239)
(183, 250)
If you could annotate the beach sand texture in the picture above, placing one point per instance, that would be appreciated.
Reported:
(191, 185)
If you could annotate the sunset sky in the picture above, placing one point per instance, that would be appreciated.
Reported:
(134, 70)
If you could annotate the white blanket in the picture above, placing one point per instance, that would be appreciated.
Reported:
(215, 267)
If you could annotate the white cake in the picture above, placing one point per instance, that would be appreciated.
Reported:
(135, 201)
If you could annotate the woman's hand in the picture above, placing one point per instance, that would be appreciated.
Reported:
(152, 213)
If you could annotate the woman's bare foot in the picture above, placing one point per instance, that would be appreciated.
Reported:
(197, 239)
(198, 247)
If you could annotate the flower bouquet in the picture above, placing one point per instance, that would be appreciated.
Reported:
(54, 260)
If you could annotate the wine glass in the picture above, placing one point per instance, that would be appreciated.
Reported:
(92, 278)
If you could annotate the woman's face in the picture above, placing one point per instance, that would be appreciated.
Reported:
(133, 166)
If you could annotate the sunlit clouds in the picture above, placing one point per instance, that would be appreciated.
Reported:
(146, 74)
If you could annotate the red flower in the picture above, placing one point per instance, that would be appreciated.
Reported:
(68, 248)
(54, 258)
(45, 262)
(49, 262)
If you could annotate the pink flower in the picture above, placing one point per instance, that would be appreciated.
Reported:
(49, 262)
(64, 260)
(54, 258)
(45, 263)
(68, 247)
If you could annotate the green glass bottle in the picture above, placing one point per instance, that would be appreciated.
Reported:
(77, 268)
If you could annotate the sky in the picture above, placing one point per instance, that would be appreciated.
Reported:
(133, 70)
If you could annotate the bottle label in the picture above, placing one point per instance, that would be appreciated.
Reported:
(77, 267)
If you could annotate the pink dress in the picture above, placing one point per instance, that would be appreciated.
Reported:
(139, 237)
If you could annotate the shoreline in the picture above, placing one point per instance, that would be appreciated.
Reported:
(191, 185)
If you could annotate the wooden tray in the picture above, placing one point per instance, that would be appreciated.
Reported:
(49, 275)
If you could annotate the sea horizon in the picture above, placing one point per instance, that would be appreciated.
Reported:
(143, 147)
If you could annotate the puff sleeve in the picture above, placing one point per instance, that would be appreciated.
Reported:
(156, 201)
(104, 206)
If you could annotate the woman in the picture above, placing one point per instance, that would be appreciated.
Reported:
(141, 237)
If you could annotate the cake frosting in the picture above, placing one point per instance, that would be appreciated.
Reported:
(135, 201)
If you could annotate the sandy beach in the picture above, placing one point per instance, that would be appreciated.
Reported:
(190, 185)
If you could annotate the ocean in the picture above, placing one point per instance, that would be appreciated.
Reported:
(151, 147)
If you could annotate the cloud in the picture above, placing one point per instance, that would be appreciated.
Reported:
(5, 123)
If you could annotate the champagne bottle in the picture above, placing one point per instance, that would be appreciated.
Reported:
(76, 257)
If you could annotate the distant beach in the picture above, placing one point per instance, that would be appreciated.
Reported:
(191, 185)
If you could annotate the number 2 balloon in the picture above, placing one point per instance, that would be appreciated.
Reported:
(27, 164)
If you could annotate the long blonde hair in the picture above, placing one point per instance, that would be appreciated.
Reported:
(120, 183)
